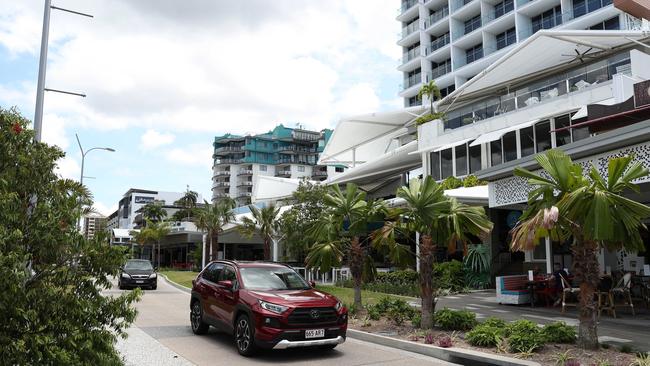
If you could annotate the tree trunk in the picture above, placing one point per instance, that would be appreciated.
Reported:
(210, 256)
(427, 256)
(267, 249)
(356, 269)
(585, 264)
(158, 257)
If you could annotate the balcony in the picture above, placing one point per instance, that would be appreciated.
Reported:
(411, 55)
(244, 194)
(319, 173)
(411, 28)
(245, 172)
(296, 149)
(412, 81)
(221, 195)
(584, 9)
(221, 184)
(438, 43)
(246, 183)
(227, 161)
(436, 17)
(406, 5)
(222, 173)
(440, 71)
(457, 4)
(283, 173)
(227, 149)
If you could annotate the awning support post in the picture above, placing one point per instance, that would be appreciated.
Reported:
(549, 256)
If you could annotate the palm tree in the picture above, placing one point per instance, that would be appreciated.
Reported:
(153, 212)
(440, 220)
(188, 202)
(152, 233)
(431, 91)
(343, 232)
(591, 212)
(212, 218)
(266, 221)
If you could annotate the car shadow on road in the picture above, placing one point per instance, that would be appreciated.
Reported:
(296, 355)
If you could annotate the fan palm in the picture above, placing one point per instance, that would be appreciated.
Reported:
(152, 234)
(343, 232)
(212, 218)
(439, 220)
(431, 91)
(265, 221)
(591, 211)
(188, 202)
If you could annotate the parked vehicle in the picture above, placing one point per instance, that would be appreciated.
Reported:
(265, 305)
(138, 273)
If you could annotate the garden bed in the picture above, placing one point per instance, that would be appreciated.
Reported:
(548, 354)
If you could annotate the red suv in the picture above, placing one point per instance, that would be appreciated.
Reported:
(265, 305)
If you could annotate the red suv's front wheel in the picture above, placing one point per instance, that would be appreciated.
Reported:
(244, 337)
(196, 319)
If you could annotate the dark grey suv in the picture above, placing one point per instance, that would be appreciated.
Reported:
(138, 273)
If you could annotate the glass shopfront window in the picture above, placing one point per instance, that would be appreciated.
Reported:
(542, 136)
(562, 137)
(527, 141)
(474, 158)
(461, 160)
(495, 153)
(435, 165)
(509, 146)
(446, 164)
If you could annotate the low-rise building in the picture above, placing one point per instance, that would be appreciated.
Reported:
(92, 223)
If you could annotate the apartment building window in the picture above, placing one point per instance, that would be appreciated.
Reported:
(582, 7)
(542, 136)
(527, 141)
(448, 90)
(414, 100)
(562, 137)
(547, 19)
(262, 168)
(609, 24)
(472, 24)
(495, 153)
(461, 160)
(338, 169)
(435, 165)
(440, 69)
(503, 7)
(474, 53)
(474, 158)
(446, 164)
(301, 168)
(509, 146)
(506, 38)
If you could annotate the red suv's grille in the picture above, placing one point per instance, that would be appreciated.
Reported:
(312, 316)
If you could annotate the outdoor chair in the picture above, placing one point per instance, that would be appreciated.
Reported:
(605, 298)
(568, 290)
(623, 289)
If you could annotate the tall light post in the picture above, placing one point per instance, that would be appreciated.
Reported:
(42, 66)
(83, 156)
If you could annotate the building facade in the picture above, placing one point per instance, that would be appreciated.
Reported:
(450, 41)
(283, 152)
(93, 223)
(134, 199)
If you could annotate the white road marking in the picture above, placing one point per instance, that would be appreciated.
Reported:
(471, 308)
(569, 321)
(613, 339)
(480, 306)
(501, 311)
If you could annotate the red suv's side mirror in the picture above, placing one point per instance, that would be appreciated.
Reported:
(312, 283)
(226, 284)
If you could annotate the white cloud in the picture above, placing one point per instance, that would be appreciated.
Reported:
(192, 155)
(54, 131)
(68, 168)
(152, 139)
(360, 98)
(104, 209)
(209, 66)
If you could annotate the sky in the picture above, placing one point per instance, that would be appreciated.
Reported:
(163, 77)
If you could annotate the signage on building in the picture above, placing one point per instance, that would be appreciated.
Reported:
(143, 199)
(642, 94)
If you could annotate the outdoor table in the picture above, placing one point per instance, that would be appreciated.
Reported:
(538, 285)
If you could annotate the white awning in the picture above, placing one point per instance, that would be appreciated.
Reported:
(122, 233)
(363, 138)
(582, 112)
(269, 188)
(450, 145)
(471, 195)
(525, 59)
(387, 165)
(495, 135)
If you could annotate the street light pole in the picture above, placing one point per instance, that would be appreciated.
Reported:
(42, 68)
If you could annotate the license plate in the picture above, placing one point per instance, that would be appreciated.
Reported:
(314, 333)
(139, 281)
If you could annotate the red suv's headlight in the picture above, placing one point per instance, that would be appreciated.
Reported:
(274, 308)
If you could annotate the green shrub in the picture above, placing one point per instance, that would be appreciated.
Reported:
(396, 310)
(373, 312)
(455, 319)
(494, 322)
(430, 117)
(559, 332)
(484, 335)
(449, 275)
(524, 336)
(416, 319)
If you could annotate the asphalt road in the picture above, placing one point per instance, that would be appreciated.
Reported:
(164, 315)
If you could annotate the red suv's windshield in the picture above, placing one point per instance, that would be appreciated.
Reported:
(269, 278)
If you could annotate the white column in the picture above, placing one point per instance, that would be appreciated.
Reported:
(549, 256)
(417, 251)
(203, 256)
(275, 250)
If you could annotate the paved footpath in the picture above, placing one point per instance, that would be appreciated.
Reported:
(162, 336)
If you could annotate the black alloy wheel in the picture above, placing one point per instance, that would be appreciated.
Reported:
(196, 319)
(244, 336)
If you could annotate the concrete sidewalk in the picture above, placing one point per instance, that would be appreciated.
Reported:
(141, 349)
